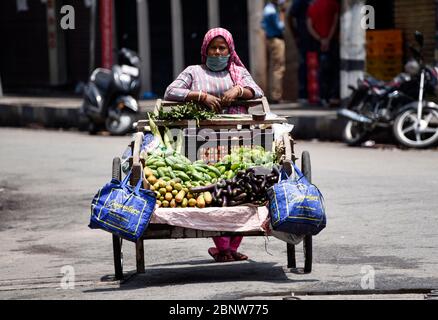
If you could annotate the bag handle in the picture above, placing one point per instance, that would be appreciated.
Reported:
(125, 181)
(297, 171)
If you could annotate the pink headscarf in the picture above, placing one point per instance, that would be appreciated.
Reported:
(234, 60)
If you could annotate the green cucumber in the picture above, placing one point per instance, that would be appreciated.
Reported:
(169, 162)
(179, 166)
(160, 163)
(216, 172)
(171, 173)
(182, 175)
(200, 169)
(151, 161)
(197, 175)
(161, 172)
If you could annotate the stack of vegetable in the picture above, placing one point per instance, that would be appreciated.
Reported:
(248, 186)
(244, 158)
(175, 193)
(169, 165)
(241, 177)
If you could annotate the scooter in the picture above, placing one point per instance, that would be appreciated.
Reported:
(110, 97)
(375, 104)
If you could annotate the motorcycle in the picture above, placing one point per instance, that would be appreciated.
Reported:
(110, 97)
(416, 124)
(375, 104)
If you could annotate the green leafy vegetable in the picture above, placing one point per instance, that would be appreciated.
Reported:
(187, 111)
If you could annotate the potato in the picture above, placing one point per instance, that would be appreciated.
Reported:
(168, 196)
(192, 202)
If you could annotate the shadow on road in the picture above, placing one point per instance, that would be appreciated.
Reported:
(214, 273)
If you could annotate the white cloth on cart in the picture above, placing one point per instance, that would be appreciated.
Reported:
(233, 219)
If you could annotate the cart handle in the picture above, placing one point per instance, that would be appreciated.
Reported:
(253, 102)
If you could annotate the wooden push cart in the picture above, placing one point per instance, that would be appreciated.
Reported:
(164, 231)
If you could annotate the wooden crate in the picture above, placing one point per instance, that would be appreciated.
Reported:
(384, 36)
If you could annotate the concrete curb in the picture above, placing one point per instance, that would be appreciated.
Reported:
(47, 117)
(309, 123)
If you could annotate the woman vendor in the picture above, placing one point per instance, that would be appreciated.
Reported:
(219, 80)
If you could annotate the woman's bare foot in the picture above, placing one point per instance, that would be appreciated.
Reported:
(220, 256)
(238, 256)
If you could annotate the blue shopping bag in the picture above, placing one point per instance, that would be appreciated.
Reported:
(296, 206)
(122, 209)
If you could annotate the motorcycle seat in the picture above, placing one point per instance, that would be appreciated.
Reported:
(102, 78)
(376, 83)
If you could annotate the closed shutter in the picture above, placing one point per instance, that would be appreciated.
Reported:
(418, 15)
(78, 43)
(24, 59)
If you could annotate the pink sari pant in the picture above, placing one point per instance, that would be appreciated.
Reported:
(227, 243)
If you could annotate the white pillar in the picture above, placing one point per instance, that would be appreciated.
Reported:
(177, 37)
(213, 14)
(92, 52)
(352, 45)
(144, 47)
(257, 44)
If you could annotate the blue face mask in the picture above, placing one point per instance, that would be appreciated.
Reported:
(217, 63)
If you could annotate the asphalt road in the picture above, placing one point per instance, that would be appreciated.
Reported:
(381, 233)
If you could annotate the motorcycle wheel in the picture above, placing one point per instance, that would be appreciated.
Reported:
(410, 133)
(120, 125)
(355, 133)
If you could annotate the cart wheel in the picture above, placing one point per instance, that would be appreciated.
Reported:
(307, 243)
(118, 257)
(117, 241)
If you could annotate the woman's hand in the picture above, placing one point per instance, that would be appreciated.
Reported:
(214, 103)
(230, 96)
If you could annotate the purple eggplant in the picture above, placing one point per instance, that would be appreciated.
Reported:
(240, 197)
(229, 190)
(210, 187)
(234, 203)
(224, 201)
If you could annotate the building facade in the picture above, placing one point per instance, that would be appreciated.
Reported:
(167, 34)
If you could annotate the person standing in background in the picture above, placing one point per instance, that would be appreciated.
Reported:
(273, 25)
(297, 19)
(322, 23)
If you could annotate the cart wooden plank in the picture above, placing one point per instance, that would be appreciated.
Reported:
(164, 231)
(217, 122)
